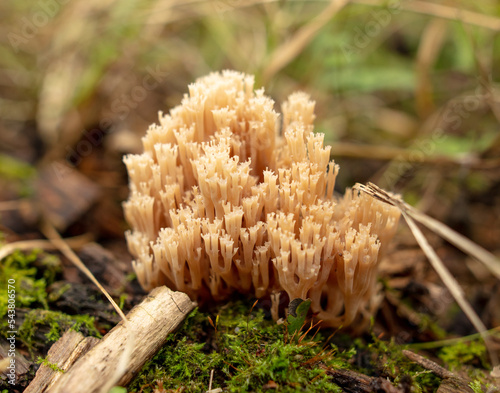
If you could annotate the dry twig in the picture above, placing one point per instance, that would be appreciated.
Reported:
(63, 354)
(150, 322)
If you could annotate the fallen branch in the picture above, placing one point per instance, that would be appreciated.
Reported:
(62, 355)
(354, 382)
(450, 384)
(148, 324)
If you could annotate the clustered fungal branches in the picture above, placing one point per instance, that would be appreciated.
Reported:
(224, 199)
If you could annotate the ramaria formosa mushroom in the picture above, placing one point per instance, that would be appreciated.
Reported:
(220, 202)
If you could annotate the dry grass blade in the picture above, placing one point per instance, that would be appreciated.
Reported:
(458, 240)
(10, 205)
(388, 153)
(451, 284)
(454, 287)
(429, 48)
(443, 11)
(54, 237)
(74, 242)
(291, 48)
(495, 333)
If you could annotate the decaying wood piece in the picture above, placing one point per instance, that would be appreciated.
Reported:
(450, 384)
(351, 381)
(71, 346)
(22, 365)
(125, 349)
(66, 195)
(428, 364)
(110, 271)
(354, 382)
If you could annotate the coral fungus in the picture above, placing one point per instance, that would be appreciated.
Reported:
(226, 198)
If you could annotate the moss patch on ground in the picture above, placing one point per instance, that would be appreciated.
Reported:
(248, 352)
(29, 275)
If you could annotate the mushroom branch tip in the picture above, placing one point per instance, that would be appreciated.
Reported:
(226, 198)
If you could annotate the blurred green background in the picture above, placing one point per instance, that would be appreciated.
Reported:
(406, 91)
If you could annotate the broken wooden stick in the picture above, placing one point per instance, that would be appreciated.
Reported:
(124, 350)
(451, 383)
(62, 355)
(354, 382)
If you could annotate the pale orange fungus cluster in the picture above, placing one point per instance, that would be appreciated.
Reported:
(229, 197)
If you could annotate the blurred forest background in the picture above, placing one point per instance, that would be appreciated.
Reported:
(407, 93)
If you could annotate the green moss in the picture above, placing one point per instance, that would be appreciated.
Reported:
(118, 389)
(28, 275)
(388, 360)
(464, 352)
(477, 387)
(56, 293)
(47, 363)
(14, 169)
(249, 353)
(52, 324)
(246, 352)
(21, 272)
(18, 173)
